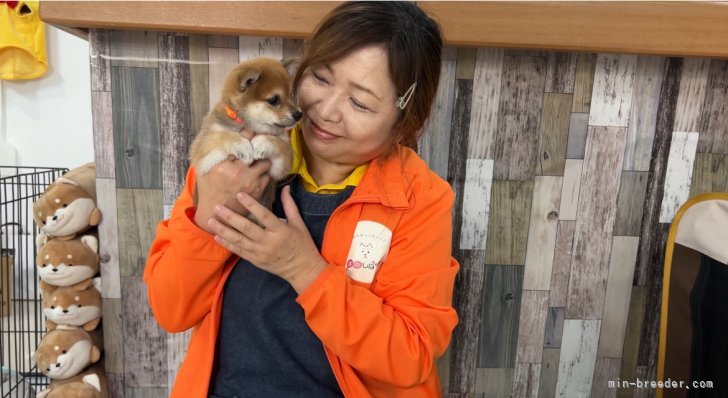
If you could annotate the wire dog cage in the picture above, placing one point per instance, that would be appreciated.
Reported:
(21, 317)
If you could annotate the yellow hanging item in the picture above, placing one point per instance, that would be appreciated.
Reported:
(22, 41)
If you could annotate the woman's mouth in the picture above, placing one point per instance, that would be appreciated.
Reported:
(321, 133)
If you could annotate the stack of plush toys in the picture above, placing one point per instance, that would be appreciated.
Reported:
(68, 264)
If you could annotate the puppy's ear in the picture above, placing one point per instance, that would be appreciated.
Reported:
(41, 240)
(95, 354)
(83, 285)
(291, 64)
(64, 180)
(93, 380)
(46, 288)
(91, 242)
(247, 78)
(43, 394)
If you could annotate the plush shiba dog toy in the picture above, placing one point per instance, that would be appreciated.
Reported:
(66, 263)
(64, 353)
(77, 305)
(91, 383)
(256, 96)
(68, 206)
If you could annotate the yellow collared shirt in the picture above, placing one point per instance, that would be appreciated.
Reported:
(309, 184)
(22, 41)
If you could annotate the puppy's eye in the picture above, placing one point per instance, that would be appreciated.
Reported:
(53, 307)
(43, 222)
(64, 351)
(274, 100)
(42, 265)
(65, 205)
(70, 265)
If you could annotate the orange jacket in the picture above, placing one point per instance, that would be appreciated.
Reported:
(382, 308)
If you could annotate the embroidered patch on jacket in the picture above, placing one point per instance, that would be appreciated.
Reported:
(368, 250)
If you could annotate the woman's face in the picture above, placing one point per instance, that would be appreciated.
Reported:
(348, 108)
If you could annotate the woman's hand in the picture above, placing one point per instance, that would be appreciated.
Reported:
(282, 248)
(226, 180)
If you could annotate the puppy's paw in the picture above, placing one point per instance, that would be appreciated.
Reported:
(263, 146)
(280, 167)
(244, 150)
(209, 161)
(278, 151)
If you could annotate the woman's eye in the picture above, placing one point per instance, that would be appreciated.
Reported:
(319, 78)
(274, 100)
(358, 105)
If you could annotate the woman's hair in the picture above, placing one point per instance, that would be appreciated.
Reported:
(411, 39)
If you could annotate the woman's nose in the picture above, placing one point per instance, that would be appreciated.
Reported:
(330, 108)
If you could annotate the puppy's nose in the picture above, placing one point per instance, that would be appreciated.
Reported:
(297, 115)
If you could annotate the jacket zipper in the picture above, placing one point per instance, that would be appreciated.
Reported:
(339, 377)
(349, 202)
(329, 355)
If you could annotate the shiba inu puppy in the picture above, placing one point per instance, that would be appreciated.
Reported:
(68, 206)
(91, 383)
(256, 96)
(64, 353)
(78, 305)
(66, 263)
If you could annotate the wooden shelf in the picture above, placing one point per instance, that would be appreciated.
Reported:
(681, 28)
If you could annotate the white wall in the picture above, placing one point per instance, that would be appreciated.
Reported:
(48, 120)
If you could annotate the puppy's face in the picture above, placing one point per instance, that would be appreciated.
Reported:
(63, 209)
(64, 353)
(76, 389)
(65, 263)
(259, 91)
(73, 305)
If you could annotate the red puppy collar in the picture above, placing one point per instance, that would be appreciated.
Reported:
(233, 116)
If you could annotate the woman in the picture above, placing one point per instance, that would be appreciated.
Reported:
(351, 296)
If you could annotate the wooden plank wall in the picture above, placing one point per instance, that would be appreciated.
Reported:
(567, 168)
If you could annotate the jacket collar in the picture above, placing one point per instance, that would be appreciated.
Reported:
(299, 167)
(388, 181)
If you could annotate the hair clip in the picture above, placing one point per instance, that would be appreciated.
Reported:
(404, 100)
